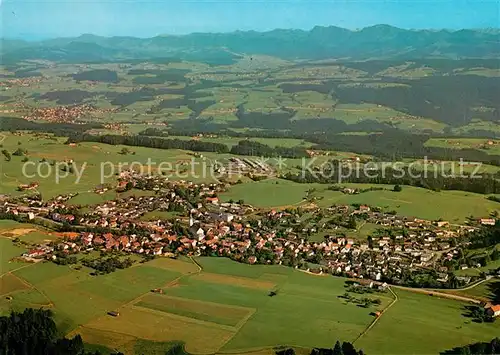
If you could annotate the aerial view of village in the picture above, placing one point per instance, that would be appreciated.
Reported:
(240, 188)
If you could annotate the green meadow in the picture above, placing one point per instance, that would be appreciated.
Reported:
(454, 206)
(420, 324)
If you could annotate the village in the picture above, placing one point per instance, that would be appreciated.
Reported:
(401, 250)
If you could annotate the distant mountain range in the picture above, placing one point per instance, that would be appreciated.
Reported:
(376, 42)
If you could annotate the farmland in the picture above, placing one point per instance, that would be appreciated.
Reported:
(218, 305)
(491, 146)
(454, 206)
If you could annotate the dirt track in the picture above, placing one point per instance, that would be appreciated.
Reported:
(439, 294)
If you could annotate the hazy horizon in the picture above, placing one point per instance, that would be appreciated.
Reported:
(258, 31)
(44, 19)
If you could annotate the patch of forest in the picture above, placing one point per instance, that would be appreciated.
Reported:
(102, 75)
(156, 76)
(68, 97)
(26, 73)
(151, 142)
(442, 66)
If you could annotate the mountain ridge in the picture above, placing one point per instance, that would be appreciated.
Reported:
(320, 42)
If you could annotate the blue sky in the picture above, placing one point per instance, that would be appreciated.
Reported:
(34, 19)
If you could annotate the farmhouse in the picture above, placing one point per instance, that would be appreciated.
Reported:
(35, 253)
(213, 200)
(487, 221)
(493, 311)
(364, 209)
(30, 186)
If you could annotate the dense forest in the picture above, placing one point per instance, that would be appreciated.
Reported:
(103, 75)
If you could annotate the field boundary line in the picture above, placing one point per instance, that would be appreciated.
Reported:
(19, 268)
(208, 303)
(245, 319)
(77, 332)
(372, 324)
(24, 282)
(140, 297)
(31, 286)
(183, 318)
(200, 268)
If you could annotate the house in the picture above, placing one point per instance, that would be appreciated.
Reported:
(213, 200)
(30, 186)
(487, 221)
(441, 224)
(364, 209)
(114, 313)
(493, 311)
(349, 191)
(35, 253)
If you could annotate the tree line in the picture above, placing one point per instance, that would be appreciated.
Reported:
(436, 180)
(150, 142)
(480, 348)
(344, 348)
(247, 147)
(59, 129)
(243, 147)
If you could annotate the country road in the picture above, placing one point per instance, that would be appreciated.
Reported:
(439, 294)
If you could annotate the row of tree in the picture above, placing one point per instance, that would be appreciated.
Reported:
(480, 348)
(59, 129)
(435, 180)
(247, 147)
(344, 348)
(244, 147)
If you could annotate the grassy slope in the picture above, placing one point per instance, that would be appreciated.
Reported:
(421, 324)
(453, 206)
